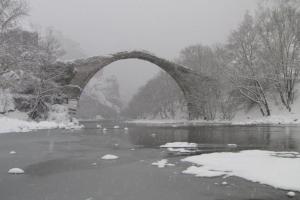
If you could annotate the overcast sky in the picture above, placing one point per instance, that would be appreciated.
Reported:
(163, 27)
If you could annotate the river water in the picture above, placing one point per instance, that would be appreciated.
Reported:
(277, 138)
(67, 164)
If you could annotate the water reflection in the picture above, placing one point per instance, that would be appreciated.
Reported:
(263, 137)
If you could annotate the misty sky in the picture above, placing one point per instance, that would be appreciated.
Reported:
(163, 27)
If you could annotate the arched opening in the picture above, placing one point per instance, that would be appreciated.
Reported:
(117, 89)
(185, 78)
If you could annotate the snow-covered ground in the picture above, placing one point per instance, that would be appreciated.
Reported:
(279, 115)
(287, 119)
(177, 123)
(8, 125)
(179, 145)
(19, 122)
(277, 169)
(240, 119)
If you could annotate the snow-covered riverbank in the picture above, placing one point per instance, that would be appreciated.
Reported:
(8, 125)
(176, 123)
(19, 122)
(277, 169)
(287, 119)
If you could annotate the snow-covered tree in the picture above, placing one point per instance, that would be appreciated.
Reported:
(246, 69)
(279, 29)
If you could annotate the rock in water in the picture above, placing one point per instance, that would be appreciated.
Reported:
(224, 183)
(99, 126)
(16, 171)
(291, 194)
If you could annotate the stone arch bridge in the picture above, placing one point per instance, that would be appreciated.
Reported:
(186, 78)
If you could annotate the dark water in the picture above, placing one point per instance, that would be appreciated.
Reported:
(59, 164)
(277, 138)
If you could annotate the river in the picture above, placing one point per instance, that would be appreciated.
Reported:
(67, 164)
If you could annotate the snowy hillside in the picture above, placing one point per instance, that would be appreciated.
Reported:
(279, 114)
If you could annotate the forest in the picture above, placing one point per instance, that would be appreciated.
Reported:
(257, 67)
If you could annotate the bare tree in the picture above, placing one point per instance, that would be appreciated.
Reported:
(47, 73)
(246, 71)
(279, 30)
(11, 11)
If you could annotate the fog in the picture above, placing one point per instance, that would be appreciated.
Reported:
(163, 27)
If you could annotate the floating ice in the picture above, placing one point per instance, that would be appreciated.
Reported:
(224, 183)
(179, 145)
(232, 145)
(16, 171)
(12, 152)
(162, 163)
(109, 157)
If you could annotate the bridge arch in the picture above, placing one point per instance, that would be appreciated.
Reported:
(186, 78)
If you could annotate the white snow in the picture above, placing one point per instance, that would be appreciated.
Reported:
(265, 167)
(291, 194)
(12, 152)
(99, 126)
(116, 127)
(232, 145)
(251, 118)
(273, 119)
(179, 145)
(224, 183)
(162, 163)
(174, 123)
(16, 171)
(8, 125)
(109, 157)
(180, 150)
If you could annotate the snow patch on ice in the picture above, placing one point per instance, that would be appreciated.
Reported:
(179, 145)
(265, 167)
(180, 150)
(109, 157)
(162, 163)
(12, 152)
(16, 171)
